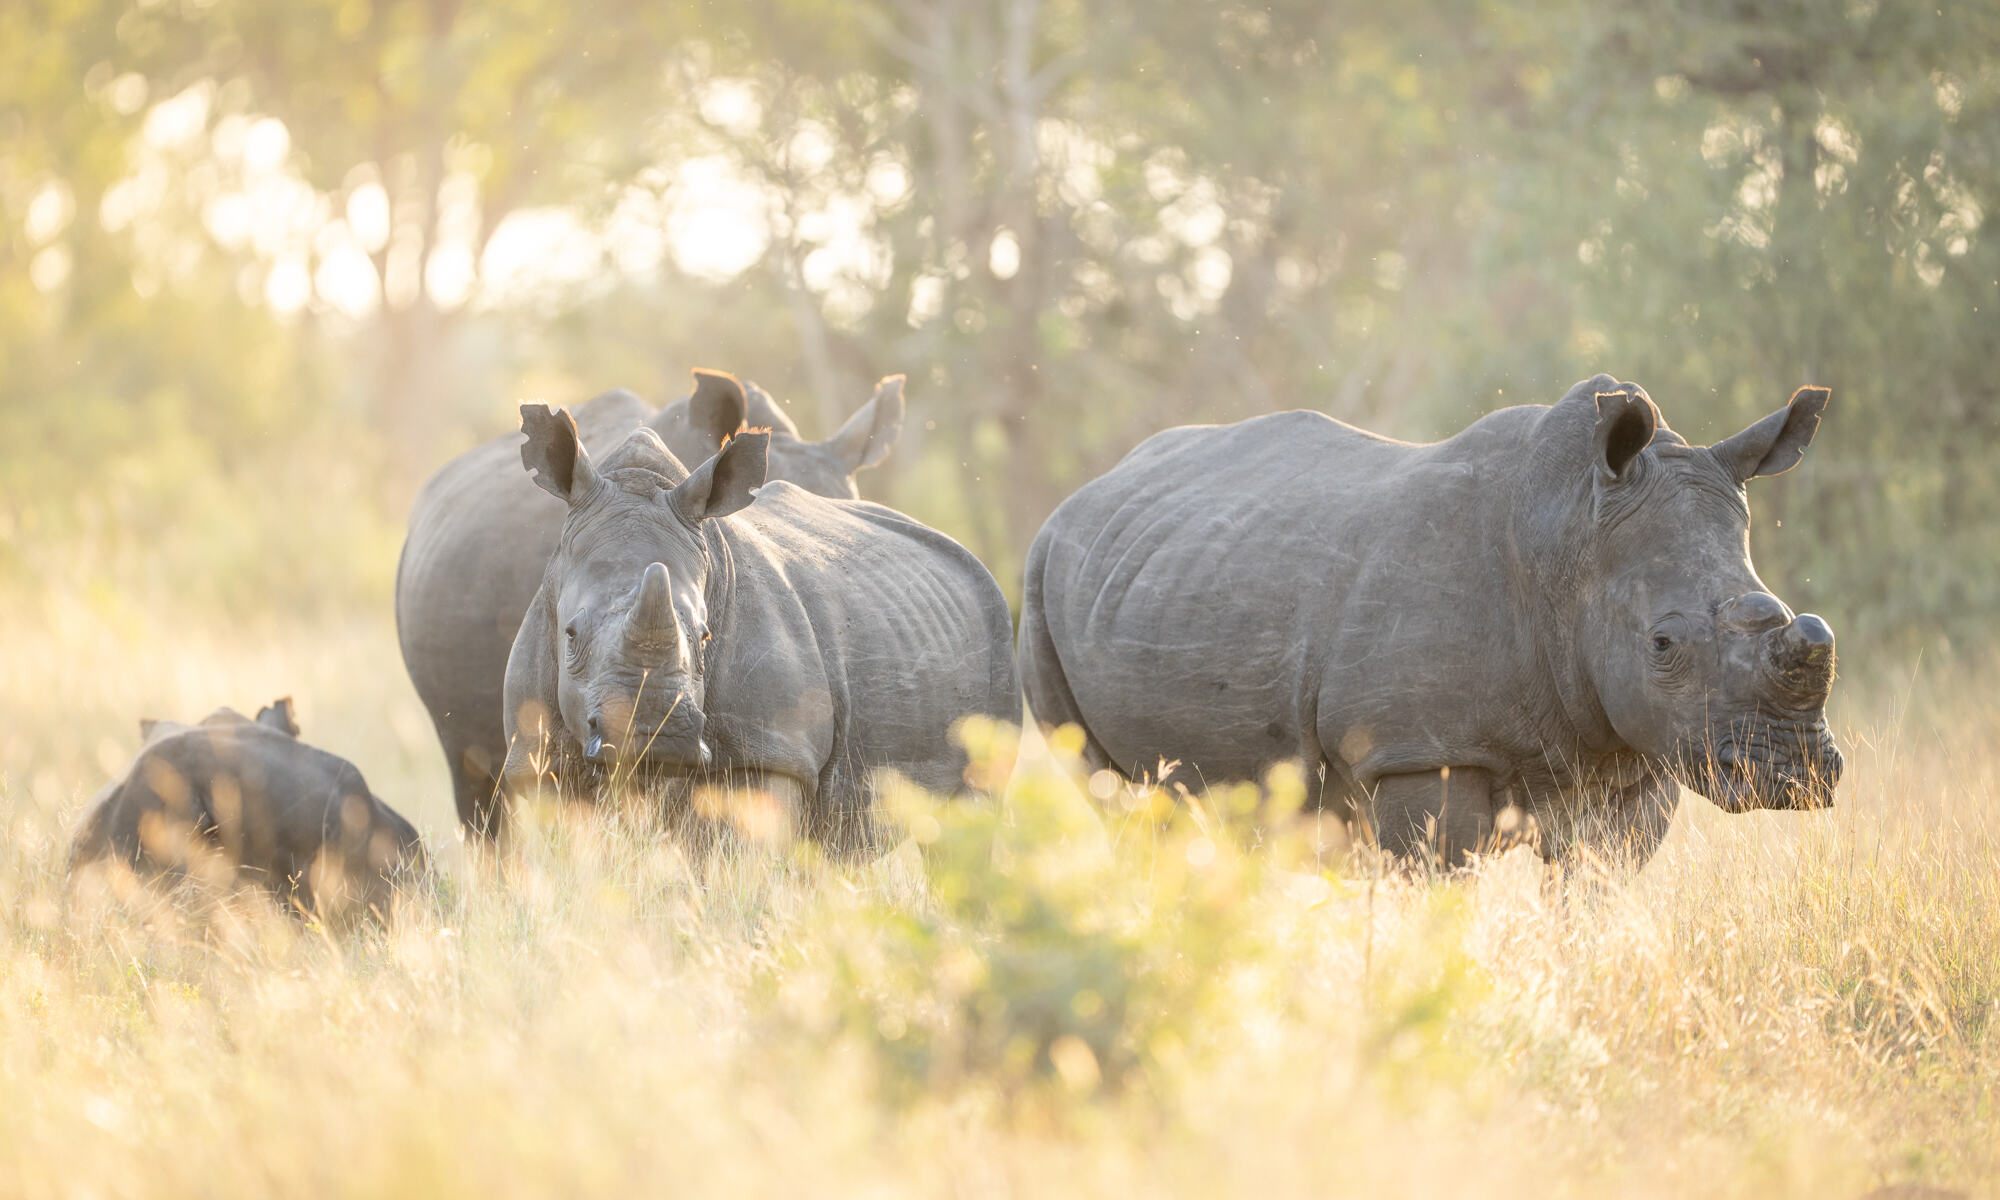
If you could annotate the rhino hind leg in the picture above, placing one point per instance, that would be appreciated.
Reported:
(1043, 682)
(840, 815)
(475, 784)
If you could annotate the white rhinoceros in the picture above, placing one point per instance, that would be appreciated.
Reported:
(1553, 610)
(798, 643)
(480, 534)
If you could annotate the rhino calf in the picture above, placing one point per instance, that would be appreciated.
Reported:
(246, 800)
(1550, 615)
(799, 642)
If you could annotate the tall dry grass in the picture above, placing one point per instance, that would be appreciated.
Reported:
(1046, 997)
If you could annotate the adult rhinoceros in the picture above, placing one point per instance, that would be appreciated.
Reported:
(480, 534)
(801, 642)
(1553, 610)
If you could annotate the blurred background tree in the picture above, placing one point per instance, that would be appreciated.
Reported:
(264, 265)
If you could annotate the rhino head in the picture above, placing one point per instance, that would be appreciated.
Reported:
(827, 468)
(629, 584)
(721, 405)
(1694, 662)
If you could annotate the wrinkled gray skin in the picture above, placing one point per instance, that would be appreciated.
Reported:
(281, 813)
(1553, 610)
(480, 534)
(796, 644)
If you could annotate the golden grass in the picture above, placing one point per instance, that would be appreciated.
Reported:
(1035, 1003)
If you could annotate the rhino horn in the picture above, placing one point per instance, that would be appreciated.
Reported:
(1803, 650)
(651, 626)
(1808, 641)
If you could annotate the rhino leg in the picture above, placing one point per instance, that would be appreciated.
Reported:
(1620, 829)
(475, 784)
(1439, 817)
(764, 808)
(838, 812)
(1043, 682)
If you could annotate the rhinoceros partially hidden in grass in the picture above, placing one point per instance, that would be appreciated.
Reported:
(480, 534)
(1552, 614)
(797, 644)
(245, 800)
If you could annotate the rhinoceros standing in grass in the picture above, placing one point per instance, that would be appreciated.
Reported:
(797, 643)
(1553, 611)
(251, 799)
(480, 534)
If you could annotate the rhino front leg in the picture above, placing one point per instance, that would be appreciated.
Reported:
(1439, 817)
(762, 807)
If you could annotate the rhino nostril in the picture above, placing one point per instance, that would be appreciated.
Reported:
(594, 747)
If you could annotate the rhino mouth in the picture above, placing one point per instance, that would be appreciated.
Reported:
(646, 775)
(657, 733)
(652, 756)
(1770, 766)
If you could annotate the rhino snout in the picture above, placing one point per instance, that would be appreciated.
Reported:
(1772, 767)
(595, 748)
(671, 736)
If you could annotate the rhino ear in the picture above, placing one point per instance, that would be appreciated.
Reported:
(1626, 422)
(1775, 444)
(146, 727)
(726, 482)
(717, 407)
(278, 715)
(554, 455)
(766, 413)
(867, 436)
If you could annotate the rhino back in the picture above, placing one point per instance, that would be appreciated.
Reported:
(273, 806)
(870, 628)
(1226, 596)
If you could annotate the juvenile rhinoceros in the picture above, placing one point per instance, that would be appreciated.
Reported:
(797, 643)
(1553, 610)
(249, 797)
(480, 534)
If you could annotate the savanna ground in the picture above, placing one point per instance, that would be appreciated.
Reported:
(1052, 996)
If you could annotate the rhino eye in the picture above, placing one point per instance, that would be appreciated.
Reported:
(1662, 643)
(569, 641)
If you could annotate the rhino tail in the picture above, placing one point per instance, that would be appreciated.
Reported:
(1043, 682)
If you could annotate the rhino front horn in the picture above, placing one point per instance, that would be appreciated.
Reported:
(1803, 655)
(651, 625)
(1808, 641)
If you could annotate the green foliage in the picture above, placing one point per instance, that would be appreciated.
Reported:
(1043, 956)
(1071, 223)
